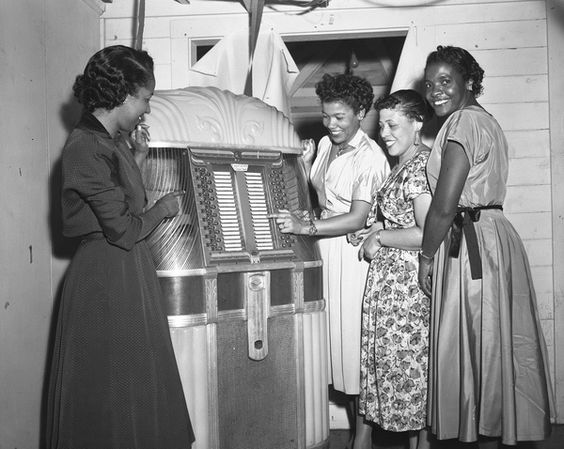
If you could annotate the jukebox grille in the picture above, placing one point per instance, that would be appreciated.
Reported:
(228, 216)
(174, 241)
(259, 211)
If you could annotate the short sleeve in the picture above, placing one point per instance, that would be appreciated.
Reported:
(416, 177)
(464, 128)
(372, 168)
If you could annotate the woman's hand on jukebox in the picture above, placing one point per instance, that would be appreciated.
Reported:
(171, 202)
(425, 274)
(291, 223)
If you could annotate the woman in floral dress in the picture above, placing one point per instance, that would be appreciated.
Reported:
(395, 316)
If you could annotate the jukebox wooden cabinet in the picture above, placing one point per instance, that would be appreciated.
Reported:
(244, 301)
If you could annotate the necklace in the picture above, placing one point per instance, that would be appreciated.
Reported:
(342, 149)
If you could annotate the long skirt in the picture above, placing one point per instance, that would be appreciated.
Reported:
(114, 382)
(488, 372)
(344, 277)
(394, 343)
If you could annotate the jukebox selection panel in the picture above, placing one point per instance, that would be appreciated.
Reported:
(234, 193)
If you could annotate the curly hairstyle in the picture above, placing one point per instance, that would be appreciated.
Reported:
(407, 101)
(463, 62)
(352, 90)
(110, 75)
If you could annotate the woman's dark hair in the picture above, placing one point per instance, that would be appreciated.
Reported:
(352, 90)
(463, 62)
(407, 101)
(110, 75)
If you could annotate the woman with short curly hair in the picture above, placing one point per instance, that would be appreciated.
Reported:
(488, 372)
(346, 172)
(114, 382)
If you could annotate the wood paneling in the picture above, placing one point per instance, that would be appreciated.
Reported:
(531, 225)
(513, 61)
(555, 12)
(535, 198)
(511, 89)
(528, 143)
(520, 116)
(529, 171)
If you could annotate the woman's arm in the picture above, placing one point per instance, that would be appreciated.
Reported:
(352, 221)
(452, 176)
(406, 238)
(308, 155)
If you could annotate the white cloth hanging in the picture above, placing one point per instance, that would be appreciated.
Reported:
(419, 42)
(226, 66)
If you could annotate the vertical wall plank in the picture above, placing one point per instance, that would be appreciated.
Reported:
(555, 23)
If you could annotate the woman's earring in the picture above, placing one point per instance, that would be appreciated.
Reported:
(417, 139)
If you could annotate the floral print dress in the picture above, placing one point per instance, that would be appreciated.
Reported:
(395, 314)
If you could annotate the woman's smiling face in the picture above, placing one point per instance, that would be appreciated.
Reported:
(341, 121)
(398, 132)
(445, 89)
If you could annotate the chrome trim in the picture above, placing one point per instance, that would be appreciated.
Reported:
(187, 320)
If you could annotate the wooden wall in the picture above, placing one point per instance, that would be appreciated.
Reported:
(508, 38)
(43, 45)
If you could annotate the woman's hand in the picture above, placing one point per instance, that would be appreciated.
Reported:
(370, 246)
(172, 201)
(289, 223)
(425, 275)
(356, 238)
(140, 139)
(309, 151)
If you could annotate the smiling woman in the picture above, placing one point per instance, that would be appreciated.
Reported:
(345, 173)
(395, 311)
(488, 372)
(114, 380)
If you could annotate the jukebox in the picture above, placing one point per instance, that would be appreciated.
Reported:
(244, 301)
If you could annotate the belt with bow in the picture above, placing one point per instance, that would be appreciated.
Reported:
(464, 222)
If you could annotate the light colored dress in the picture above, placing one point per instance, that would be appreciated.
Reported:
(355, 175)
(488, 371)
(395, 314)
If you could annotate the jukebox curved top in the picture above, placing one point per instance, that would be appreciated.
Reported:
(212, 116)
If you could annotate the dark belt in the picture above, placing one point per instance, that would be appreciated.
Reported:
(464, 222)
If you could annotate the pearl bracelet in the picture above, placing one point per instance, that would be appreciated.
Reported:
(312, 230)
(378, 237)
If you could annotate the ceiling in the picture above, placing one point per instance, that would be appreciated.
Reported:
(375, 59)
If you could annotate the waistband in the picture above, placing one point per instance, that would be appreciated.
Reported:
(464, 222)
(97, 235)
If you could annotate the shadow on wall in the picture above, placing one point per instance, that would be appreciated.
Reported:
(556, 7)
(62, 247)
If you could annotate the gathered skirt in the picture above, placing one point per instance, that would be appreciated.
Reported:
(344, 277)
(114, 382)
(394, 343)
(488, 370)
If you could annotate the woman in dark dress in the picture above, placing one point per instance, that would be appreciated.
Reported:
(114, 382)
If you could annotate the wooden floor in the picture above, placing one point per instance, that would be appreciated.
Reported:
(389, 440)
